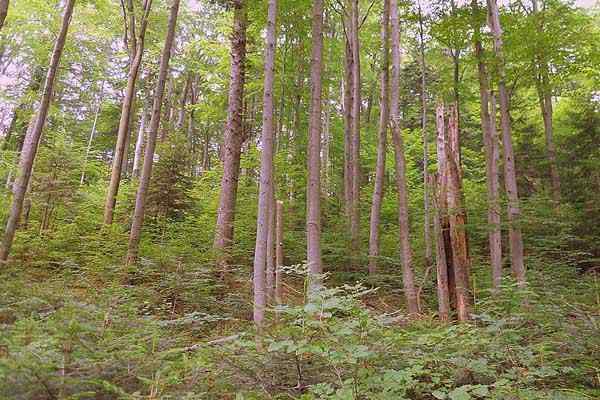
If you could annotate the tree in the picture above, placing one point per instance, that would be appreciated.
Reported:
(32, 139)
(400, 166)
(355, 131)
(510, 175)
(3, 12)
(313, 190)
(266, 212)
(384, 119)
(136, 52)
(234, 137)
(140, 199)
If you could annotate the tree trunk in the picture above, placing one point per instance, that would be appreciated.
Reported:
(266, 212)
(347, 104)
(33, 137)
(510, 175)
(140, 198)
(233, 139)
(384, 119)
(426, 197)
(126, 107)
(490, 140)
(355, 116)
(3, 12)
(440, 255)
(279, 252)
(92, 134)
(400, 166)
(182, 102)
(313, 195)
(139, 142)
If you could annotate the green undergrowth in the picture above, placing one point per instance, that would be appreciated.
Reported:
(169, 332)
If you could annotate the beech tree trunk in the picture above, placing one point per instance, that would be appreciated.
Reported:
(400, 166)
(126, 107)
(140, 198)
(355, 134)
(32, 140)
(233, 139)
(384, 119)
(510, 175)
(490, 140)
(313, 195)
(266, 211)
(139, 142)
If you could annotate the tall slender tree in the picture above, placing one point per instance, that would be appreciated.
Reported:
(266, 212)
(355, 132)
(400, 166)
(234, 137)
(34, 134)
(510, 174)
(136, 51)
(384, 119)
(313, 191)
(140, 199)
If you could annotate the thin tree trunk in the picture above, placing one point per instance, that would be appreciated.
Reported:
(182, 102)
(92, 134)
(3, 12)
(140, 198)
(233, 139)
(400, 166)
(426, 197)
(440, 255)
(266, 212)
(384, 119)
(313, 195)
(270, 265)
(139, 142)
(126, 107)
(510, 175)
(490, 140)
(32, 140)
(279, 252)
(347, 104)
(356, 108)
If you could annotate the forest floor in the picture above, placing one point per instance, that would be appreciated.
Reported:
(171, 332)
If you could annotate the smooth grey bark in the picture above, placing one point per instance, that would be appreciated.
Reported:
(384, 119)
(313, 192)
(234, 137)
(355, 134)
(510, 174)
(400, 166)
(32, 140)
(266, 212)
(137, 51)
(142, 191)
(279, 252)
(92, 134)
(139, 142)
(490, 140)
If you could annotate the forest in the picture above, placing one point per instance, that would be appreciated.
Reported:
(300, 199)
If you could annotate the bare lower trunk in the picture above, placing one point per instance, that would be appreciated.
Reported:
(384, 119)
(140, 198)
(510, 175)
(266, 211)
(400, 166)
(233, 139)
(279, 252)
(347, 103)
(126, 107)
(92, 134)
(355, 133)
(313, 195)
(32, 140)
(270, 265)
(490, 140)
(440, 256)
(139, 144)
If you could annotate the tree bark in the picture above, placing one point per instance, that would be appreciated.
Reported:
(510, 175)
(139, 142)
(313, 195)
(266, 212)
(490, 140)
(347, 105)
(32, 140)
(400, 166)
(140, 198)
(3, 12)
(126, 107)
(92, 134)
(384, 119)
(233, 140)
(440, 255)
(355, 116)
(279, 252)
